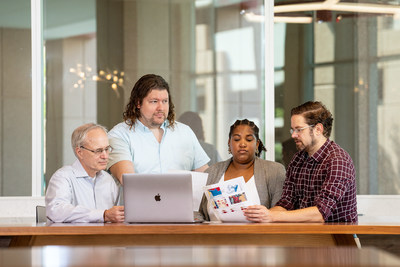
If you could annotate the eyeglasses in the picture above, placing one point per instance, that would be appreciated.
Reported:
(99, 151)
(298, 130)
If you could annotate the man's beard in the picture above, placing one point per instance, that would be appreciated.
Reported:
(155, 123)
(302, 147)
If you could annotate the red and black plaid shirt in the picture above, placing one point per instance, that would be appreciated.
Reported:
(325, 180)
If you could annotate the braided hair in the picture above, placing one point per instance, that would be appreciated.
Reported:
(256, 131)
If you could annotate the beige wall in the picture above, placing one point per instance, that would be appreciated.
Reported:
(15, 114)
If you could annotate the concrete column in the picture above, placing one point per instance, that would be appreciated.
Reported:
(15, 119)
(110, 60)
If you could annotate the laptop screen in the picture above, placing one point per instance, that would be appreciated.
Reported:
(165, 197)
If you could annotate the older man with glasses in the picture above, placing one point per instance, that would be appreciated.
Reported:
(320, 183)
(84, 192)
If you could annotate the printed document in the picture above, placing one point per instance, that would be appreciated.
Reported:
(229, 199)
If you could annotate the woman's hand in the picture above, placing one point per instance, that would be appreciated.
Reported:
(258, 213)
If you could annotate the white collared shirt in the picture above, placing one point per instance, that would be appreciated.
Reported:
(73, 196)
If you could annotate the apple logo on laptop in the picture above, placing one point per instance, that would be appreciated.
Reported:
(157, 197)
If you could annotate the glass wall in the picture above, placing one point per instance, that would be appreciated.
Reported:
(15, 98)
(349, 61)
(210, 52)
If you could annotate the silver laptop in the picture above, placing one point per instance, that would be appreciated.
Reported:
(158, 198)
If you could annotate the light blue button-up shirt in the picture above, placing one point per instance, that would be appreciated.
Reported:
(74, 196)
(179, 148)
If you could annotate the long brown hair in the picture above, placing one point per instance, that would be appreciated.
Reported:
(141, 89)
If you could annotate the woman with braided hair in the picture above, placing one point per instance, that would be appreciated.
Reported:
(264, 179)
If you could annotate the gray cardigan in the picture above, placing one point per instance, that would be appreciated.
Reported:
(269, 178)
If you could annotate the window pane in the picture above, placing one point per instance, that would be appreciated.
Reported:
(349, 61)
(16, 98)
(210, 52)
(70, 41)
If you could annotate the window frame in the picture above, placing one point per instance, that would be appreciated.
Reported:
(37, 97)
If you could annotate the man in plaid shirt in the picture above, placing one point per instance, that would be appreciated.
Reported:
(320, 183)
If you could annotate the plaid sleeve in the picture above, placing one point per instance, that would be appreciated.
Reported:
(338, 179)
(288, 193)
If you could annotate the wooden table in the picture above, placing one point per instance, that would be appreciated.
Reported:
(282, 234)
(205, 256)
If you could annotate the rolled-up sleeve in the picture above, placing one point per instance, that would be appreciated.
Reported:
(339, 178)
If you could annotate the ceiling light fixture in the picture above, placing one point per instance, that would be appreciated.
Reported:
(335, 5)
(286, 19)
(251, 17)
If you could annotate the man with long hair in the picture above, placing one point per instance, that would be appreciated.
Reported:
(150, 140)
